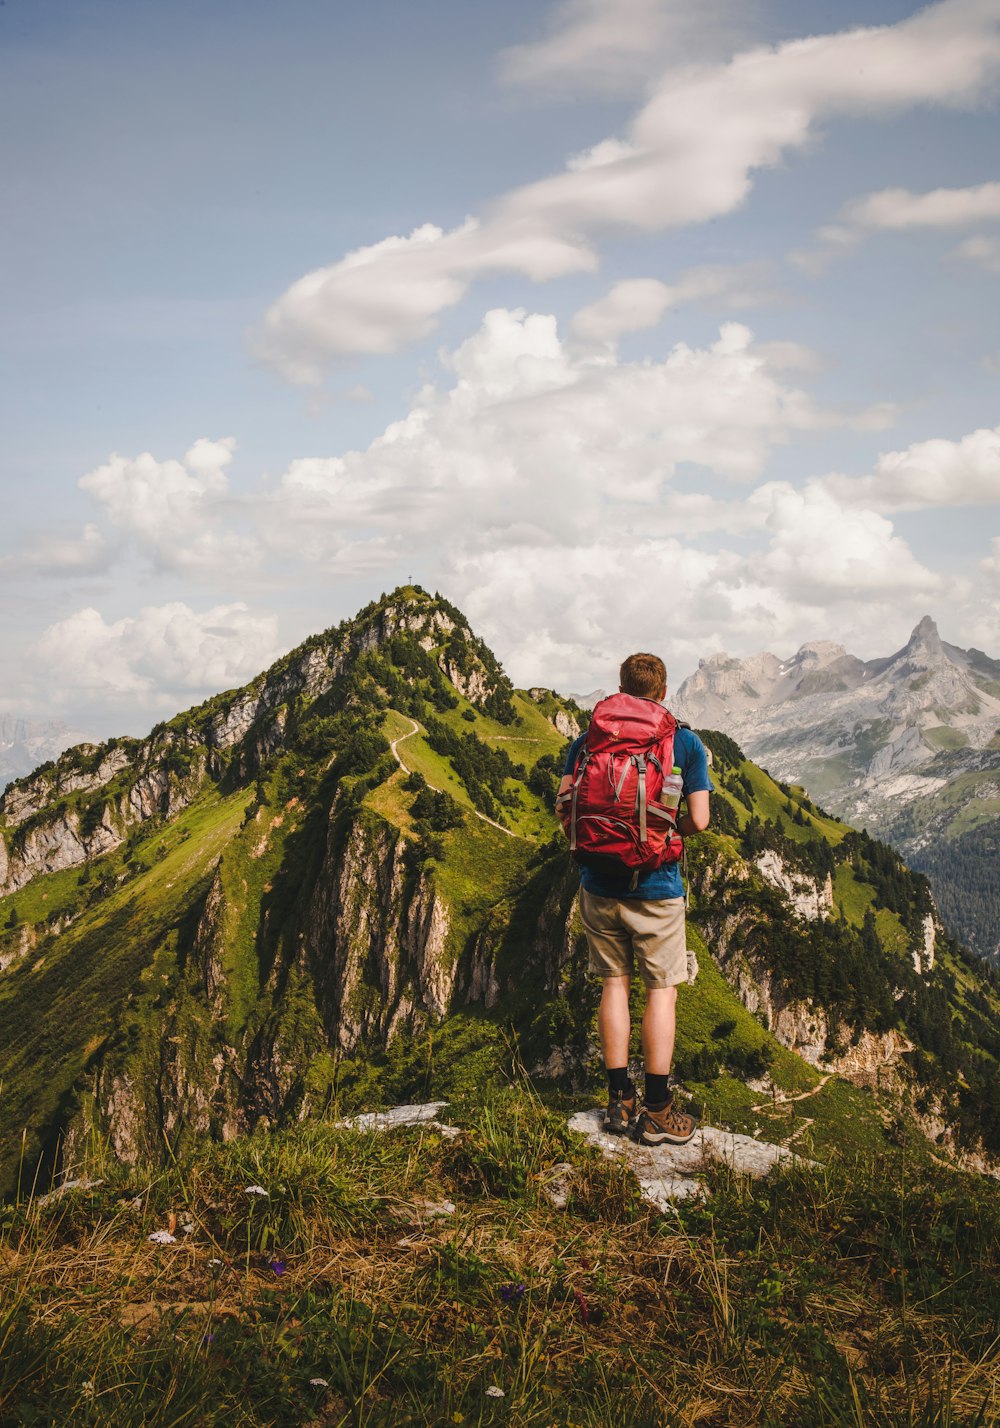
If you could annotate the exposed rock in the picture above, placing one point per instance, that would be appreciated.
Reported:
(29, 797)
(923, 956)
(17, 944)
(557, 1184)
(873, 1059)
(566, 724)
(810, 898)
(668, 1173)
(49, 847)
(425, 1114)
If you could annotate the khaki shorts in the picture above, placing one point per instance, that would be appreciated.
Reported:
(647, 930)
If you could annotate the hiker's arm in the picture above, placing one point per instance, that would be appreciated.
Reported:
(697, 815)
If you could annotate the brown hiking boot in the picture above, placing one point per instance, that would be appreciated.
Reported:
(666, 1126)
(620, 1116)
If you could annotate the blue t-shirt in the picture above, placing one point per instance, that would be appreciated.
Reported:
(692, 760)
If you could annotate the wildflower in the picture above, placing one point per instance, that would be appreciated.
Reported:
(511, 1293)
(319, 1383)
(162, 1237)
(215, 1264)
(87, 1388)
(278, 1266)
(256, 1190)
(494, 1392)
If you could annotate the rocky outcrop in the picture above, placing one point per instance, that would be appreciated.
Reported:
(52, 846)
(15, 944)
(924, 953)
(27, 798)
(873, 1059)
(808, 897)
(376, 937)
(566, 724)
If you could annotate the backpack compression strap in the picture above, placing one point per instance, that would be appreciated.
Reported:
(581, 765)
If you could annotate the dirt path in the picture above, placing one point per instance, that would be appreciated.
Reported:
(399, 759)
(802, 1096)
(806, 1121)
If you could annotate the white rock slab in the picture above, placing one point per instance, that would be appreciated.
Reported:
(425, 1114)
(81, 1183)
(668, 1173)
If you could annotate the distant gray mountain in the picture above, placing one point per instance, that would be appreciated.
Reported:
(587, 701)
(25, 744)
(907, 746)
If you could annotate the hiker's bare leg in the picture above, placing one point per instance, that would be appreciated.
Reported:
(613, 1021)
(658, 1023)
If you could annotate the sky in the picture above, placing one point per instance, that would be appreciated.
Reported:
(624, 324)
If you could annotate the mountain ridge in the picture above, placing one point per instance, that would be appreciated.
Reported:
(907, 745)
(257, 908)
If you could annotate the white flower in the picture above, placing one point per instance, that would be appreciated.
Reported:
(214, 1263)
(162, 1237)
(494, 1392)
(319, 1383)
(87, 1389)
(256, 1190)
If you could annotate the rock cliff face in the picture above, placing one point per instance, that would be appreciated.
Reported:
(376, 938)
(807, 897)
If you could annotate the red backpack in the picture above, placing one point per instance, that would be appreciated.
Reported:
(620, 812)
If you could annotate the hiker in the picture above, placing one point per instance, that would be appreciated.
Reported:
(619, 802)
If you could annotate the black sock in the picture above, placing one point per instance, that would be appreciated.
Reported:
(618, 1080)
(657, 1090)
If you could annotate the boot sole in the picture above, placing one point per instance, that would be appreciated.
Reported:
(663, 1138)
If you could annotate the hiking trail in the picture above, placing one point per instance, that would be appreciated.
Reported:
(406, 769)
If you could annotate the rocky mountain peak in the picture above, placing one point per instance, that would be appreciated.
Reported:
(925, 642)
(819, 653)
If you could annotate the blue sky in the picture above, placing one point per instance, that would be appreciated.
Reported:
(728, 380)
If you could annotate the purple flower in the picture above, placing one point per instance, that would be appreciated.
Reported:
(511, 1293)
(278, 1266)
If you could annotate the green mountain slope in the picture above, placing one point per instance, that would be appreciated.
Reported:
(344, 884)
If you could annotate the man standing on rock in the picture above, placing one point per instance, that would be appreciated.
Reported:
(619, 802)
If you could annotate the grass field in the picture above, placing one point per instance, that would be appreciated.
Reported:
(407, 1278)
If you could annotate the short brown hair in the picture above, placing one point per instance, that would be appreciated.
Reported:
(644, 675)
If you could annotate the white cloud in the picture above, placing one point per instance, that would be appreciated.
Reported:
(163, 656)
(537, 489)
(565, 615)
(638, 303)
(608, 46)
(689, 155)
(898, 208)
(532, 436)
(821, 552)
(378, 299)
(983, 250)
(991, 566)
(57, 553)
(928, 473)
(166, 507)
